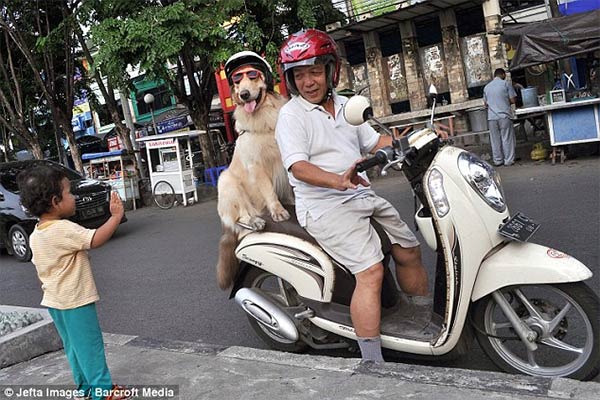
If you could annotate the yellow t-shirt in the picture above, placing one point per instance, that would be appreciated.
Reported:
(60, 257)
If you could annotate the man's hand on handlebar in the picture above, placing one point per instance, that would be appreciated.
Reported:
(350, 179)
(441, 130)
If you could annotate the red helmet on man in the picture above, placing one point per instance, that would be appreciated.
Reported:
(309, 47)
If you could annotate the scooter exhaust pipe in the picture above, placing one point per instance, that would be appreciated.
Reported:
(266, 313)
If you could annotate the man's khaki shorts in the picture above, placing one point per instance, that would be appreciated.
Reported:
(347, 235)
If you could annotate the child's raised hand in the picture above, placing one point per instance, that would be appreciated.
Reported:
(116, 205)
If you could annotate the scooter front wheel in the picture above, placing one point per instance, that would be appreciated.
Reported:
(284, 296)
(564, 318)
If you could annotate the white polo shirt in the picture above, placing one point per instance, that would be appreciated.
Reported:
(306, 132)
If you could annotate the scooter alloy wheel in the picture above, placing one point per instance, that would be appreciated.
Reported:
(282, 294)
(564, 318)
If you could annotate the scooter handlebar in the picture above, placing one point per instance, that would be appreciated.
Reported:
(381, 157)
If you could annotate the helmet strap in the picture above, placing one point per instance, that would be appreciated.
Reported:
(327, 97)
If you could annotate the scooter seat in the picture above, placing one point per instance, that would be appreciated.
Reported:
(292, 227)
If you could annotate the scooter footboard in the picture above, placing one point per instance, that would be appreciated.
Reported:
(526, 263)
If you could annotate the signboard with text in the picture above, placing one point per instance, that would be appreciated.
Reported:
(155, 144)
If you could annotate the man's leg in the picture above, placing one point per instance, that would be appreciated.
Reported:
(357, 247)
(496, 142)
(507, 132)
(365, 310)
(411, 274)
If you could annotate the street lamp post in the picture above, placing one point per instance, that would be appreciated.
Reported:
(149, 99)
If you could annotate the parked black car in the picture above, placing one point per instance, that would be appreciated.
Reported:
(91, 198)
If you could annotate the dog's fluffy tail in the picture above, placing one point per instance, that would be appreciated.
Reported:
(227, 266)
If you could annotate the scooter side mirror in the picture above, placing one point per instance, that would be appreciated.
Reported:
(357, 110)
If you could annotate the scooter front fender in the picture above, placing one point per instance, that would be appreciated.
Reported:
(526, 263)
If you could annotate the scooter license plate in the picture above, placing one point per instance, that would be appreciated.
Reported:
(519, 228)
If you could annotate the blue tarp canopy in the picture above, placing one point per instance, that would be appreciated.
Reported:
(93, 156)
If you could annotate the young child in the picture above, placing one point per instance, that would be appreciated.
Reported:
(63, 267)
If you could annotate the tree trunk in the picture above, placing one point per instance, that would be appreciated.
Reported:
(205, 141)
(109, 98)
(75, 154)
(36, 149)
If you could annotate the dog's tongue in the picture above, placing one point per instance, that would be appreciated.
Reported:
(250, 106)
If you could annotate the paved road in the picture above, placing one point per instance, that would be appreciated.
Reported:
(156, 277)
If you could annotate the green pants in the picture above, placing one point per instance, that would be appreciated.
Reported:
(82, 339)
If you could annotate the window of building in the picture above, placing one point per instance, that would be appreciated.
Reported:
(428, 31)
(400, 107)
(162, 99)
(104, 114)
(508, 6)
(390, 41)
(355, 51)
(470, 21)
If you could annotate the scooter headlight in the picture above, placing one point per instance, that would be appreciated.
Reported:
(484, 179)
(435, 184)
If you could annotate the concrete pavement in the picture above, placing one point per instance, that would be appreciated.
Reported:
(186, 370)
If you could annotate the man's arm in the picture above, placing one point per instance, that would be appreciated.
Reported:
(512, 94)
(384, 140)
(313, 175)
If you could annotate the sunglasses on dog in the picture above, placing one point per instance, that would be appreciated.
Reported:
(251, 74)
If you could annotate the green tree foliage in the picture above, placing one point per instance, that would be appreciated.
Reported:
(181, 42)
(170, 42)
(264, 24)
(18, 92)
(43, 33)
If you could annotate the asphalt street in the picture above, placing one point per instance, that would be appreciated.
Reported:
(156, 276)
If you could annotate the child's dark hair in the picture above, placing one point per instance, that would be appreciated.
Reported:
(38, 186)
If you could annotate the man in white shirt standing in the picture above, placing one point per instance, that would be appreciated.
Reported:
(320, 151)
(498, 95)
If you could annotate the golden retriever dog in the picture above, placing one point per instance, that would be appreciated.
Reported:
(256, 180)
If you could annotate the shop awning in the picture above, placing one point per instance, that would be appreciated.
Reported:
(553, 39)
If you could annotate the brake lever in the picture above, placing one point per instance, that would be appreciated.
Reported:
(392, 165)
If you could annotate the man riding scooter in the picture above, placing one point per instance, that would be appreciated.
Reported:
(333, 202)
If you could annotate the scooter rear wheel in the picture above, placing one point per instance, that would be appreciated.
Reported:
(282, 294)
(565, 319)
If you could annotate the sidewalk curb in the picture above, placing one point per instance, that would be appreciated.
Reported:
(30, 341)
(485, 381)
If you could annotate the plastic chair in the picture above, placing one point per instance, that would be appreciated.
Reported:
(211, 175)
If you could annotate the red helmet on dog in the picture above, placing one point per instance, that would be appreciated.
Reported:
(309, 47)
(249, 58)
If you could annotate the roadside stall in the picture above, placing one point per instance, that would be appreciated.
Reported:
(567, 51)
(117, 169)
(170, 163)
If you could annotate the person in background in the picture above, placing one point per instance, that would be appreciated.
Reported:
(334, 202)
(59, 249)
(498, 95)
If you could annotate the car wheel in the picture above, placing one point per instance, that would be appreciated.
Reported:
(19, 243)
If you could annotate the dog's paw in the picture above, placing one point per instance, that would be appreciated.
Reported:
(257, 223)
(280, 214)
(252, 224)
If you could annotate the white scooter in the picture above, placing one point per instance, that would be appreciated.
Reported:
(525, 303)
